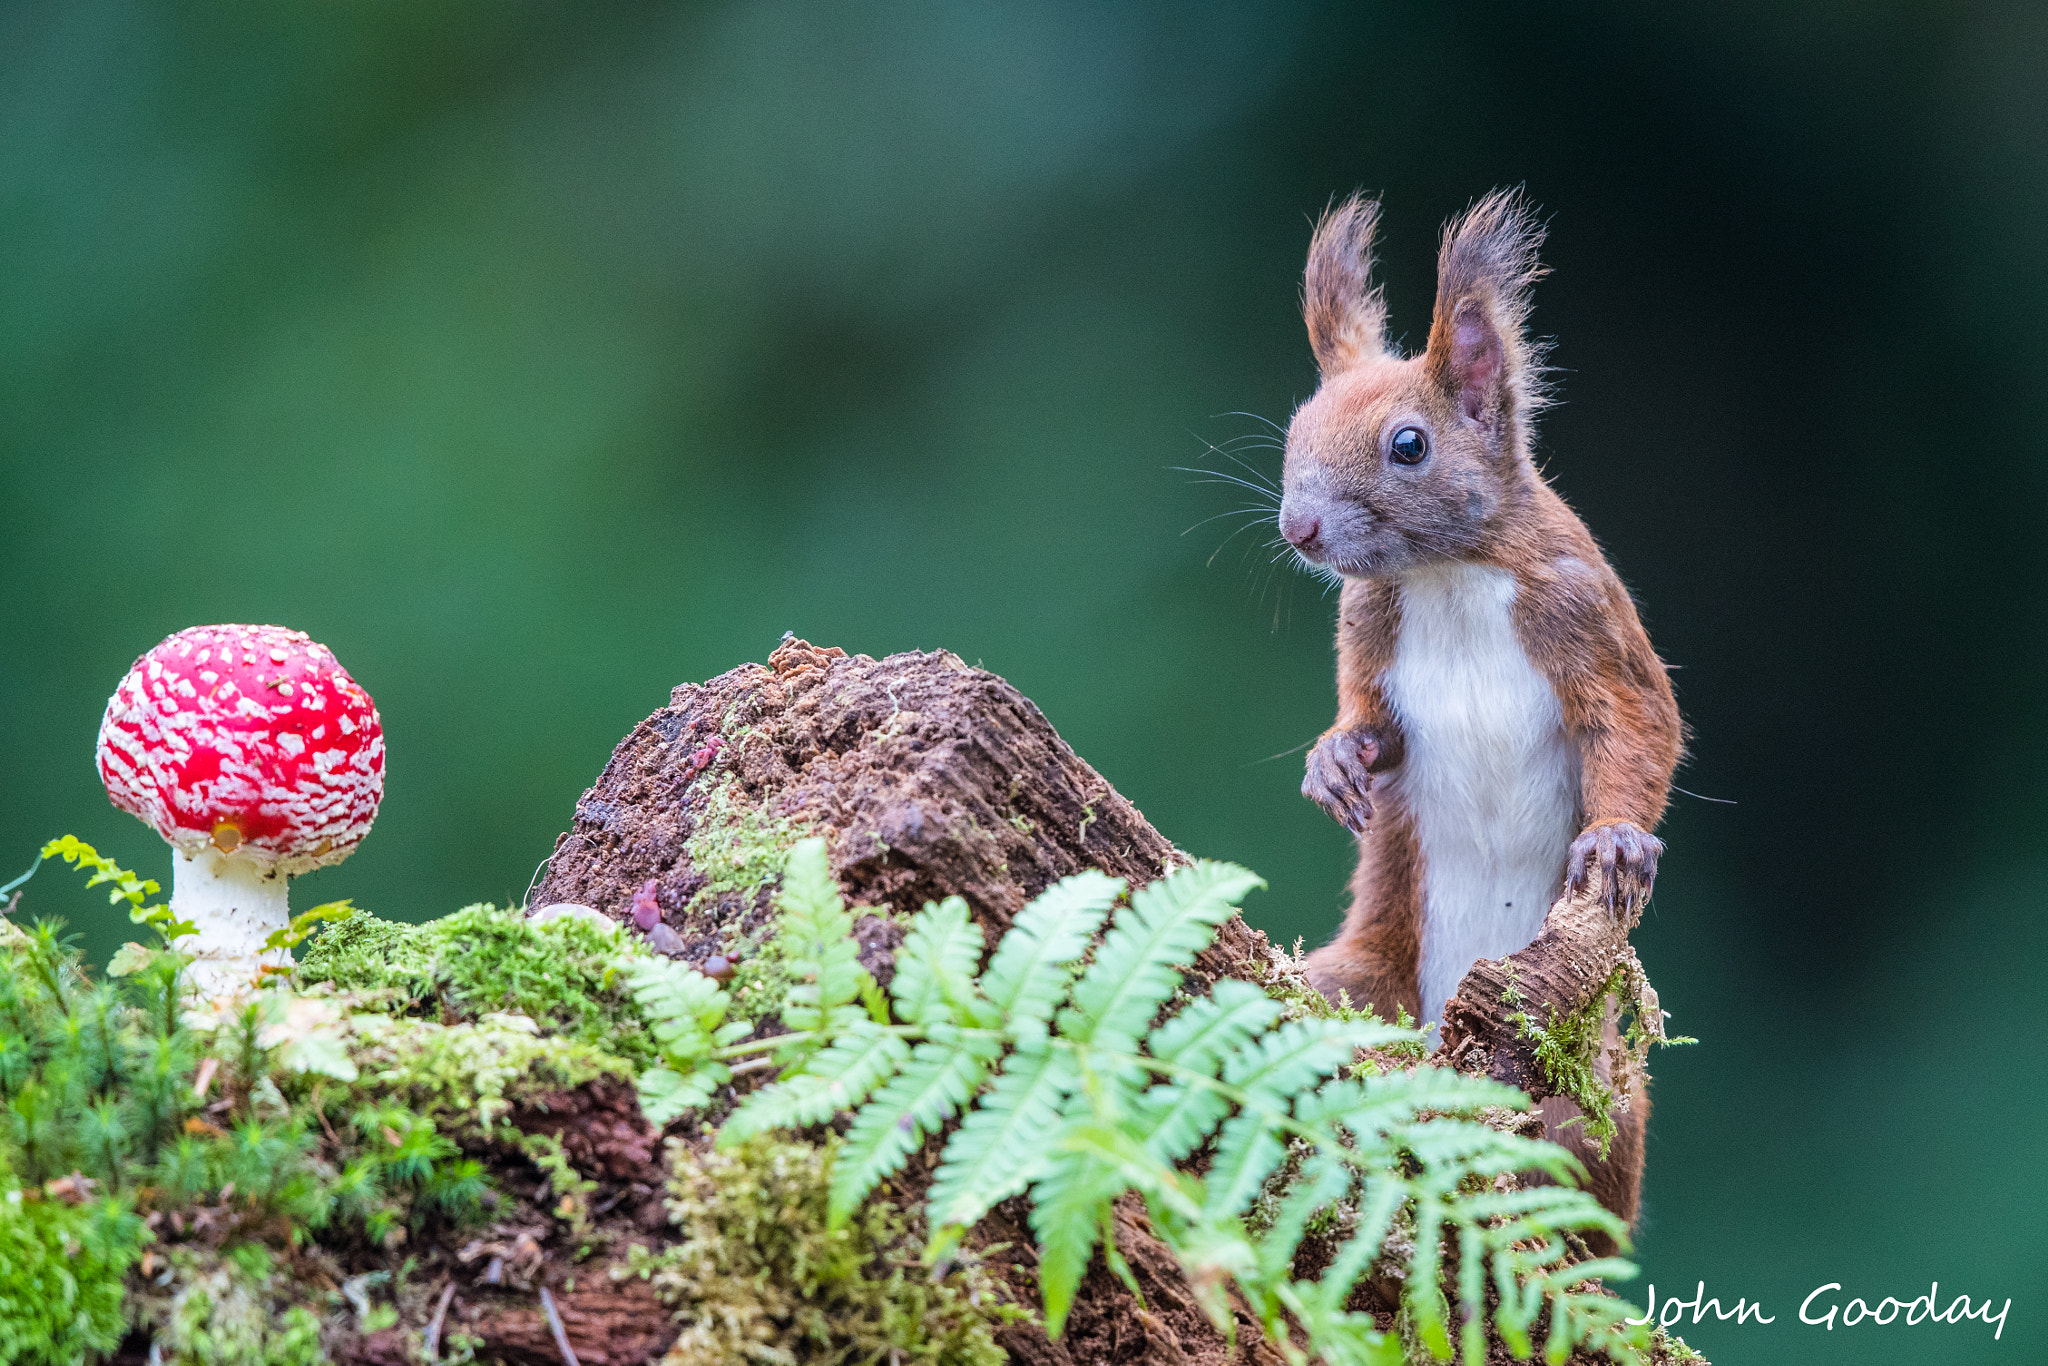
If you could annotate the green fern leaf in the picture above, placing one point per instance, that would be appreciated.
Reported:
(1178, 1116)
(1289, 1060)
(1031, 967)
(1003, 1143)
(1377, 1208)
(1271, 1070)
(1175, 1118)
(667, 1095)
(1230, 1016)
(684, 1009)
(1137, 966)
(1247, 1151)
(816, 932)
(1324, 1178)
(1344, 1337)
(839, 1078)
(1450, 1149)
(928, 1090)
(1422, 1294)
(935, 966)
(1379, 1104)
(1066, 1204)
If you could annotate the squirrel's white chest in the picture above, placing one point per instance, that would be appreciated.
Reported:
(1488, 776)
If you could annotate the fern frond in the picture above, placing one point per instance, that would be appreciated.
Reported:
(935, 966)
(1323, 1180)
(1137, 965)
(684, 1009)
(1066, 1208)
(1341, 1337)
(1421, 1292)
(1070, 1117)
(926, 1091)
(838, 1078)
(1030, 969)
(1272, 1068)
(816, 933)
(1377, 1105)
(1178, 1116)
(1377, 1208)
(1451, 1148)
(1209, 1027)
(667, 1095)
(1247, 1151)
(1001, 1146)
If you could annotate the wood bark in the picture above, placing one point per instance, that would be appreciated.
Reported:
(930, 778)
(1563, 972)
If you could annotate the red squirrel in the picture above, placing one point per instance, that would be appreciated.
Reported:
(1503, 726)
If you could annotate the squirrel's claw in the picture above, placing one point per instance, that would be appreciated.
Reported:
(1339, 776)
(1626, 855)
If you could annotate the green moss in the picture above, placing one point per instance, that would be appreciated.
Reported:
(229, 1310)
(467, 1077)
(1667, 1348)
(1568, 1047)
(60, 1276)
(482, 960)
(571, 1188)
(1567, 1050)
(1281, 976)
(738, 847)
(759, 1277)
(761, 978)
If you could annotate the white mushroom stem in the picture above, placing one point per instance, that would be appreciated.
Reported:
(235, 905)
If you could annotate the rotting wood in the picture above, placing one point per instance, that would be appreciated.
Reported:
(931, 778)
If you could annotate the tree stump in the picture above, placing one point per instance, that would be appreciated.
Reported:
(929, 778)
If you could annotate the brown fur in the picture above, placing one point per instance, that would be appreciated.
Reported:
(1479, 498)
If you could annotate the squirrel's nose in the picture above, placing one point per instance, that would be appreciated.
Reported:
(1300, 529)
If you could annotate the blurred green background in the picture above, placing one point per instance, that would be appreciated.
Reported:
(537, 358)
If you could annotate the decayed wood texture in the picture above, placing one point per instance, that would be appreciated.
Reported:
(930, 778)
(1563, 972)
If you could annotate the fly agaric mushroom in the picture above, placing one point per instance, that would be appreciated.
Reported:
(256, 756)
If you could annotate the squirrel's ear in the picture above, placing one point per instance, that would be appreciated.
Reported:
(1345, 311)
(1477, 352)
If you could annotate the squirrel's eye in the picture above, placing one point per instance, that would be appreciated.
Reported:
(1409, 446)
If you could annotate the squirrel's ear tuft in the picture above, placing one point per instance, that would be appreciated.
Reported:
(1345, 311)
(1477, 350)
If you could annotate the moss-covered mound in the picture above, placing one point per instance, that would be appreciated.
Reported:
(482, 960)
(425, 1143)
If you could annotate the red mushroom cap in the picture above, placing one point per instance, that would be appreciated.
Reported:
(250, 739)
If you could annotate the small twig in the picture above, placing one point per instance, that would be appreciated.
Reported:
(320, 1111)
(752, 1065)
(547, 1304)
(526, 901)
(433, 1343)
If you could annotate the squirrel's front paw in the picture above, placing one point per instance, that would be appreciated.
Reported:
(1340, 776)
(1626, 855)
